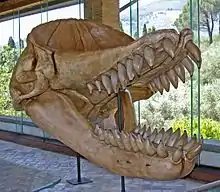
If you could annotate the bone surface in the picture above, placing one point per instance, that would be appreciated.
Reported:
(67, 80)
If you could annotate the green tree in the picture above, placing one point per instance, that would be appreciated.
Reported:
(208, 15)
(7, 61)
(11, 42)
(144, 29)
(121, 27)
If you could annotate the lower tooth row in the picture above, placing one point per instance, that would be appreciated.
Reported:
(155, 143)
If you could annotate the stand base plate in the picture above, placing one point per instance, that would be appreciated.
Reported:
(81, 181)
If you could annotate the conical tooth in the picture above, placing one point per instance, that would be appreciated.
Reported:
(149, 55)
(96, 130)
(153, 135)
(194, 151)
(112, 139)
(133, 143)
(174, 137)
(161, 150)
(114, 80)
(149, 148)
(190, 144)
(172, 76)
(138, 63)
(101, 134)
(158, 84)
(139, 142)
(130, 70)
(118, 139)
(122, 74)
(147, 133)
(90, 87)
(153, 87)
(126, 141)
(159, 136)
(194, 52)
(141, 131)
(107, 83)
(98, 85)
(165, 82)
(183, 140)
(106, 136)
(177, 155)
(189, 65)
(169, 47)
(180, 71)
(167, 135)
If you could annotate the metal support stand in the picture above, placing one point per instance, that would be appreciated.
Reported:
(120, 125)
(79, 180)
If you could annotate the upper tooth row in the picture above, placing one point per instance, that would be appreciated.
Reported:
(152, 143)
(163, 81)
(129, 67)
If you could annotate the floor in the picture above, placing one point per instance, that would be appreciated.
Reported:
(65, 167)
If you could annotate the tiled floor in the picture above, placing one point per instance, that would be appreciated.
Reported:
(65, 167)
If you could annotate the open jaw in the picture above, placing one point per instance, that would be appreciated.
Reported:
(144, 67)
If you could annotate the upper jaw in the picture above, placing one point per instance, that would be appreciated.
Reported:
(157, 59)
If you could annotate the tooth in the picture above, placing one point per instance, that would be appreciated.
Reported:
(189, 65)
(158, 85)
(172, 76)
(180, 71)
(141, 131)
(159, 136)
(153, 87)
(112, 139)
(177, 155)
(133, 143)
(183, 140)
(90, 87)
(114, 80)
(140, 143)
(130, 70)
(165, 82)
(161, 150)
(153, 135)
(169, 47)
(96, 131)
(98, 85)
(149, 148)
(122, 75)
(101, 134)
(194, 51)
(107, 83)
(147, 133)
(106, 136)
(138, 63)
(125, 140)
(149, 56)
(194, 151)
(118, 139)
(190, 144)
(174, 138)
(167, 135)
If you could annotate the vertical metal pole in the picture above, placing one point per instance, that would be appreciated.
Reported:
(199, 103)
(78, 169)
(120, 126)
(191, 78)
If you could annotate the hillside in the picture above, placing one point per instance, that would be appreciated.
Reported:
(160, 14)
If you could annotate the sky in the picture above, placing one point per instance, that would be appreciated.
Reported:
(11, 27)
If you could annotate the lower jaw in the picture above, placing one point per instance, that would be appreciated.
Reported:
(68, 126)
